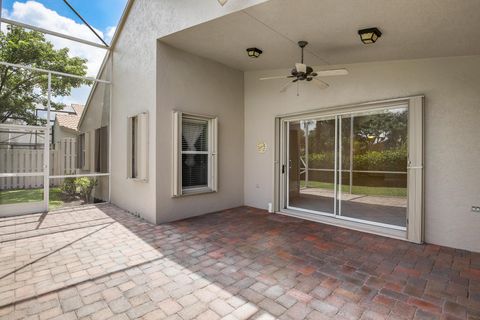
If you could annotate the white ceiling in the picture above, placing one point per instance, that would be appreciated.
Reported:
(411, 29)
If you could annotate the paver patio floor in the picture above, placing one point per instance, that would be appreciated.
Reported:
(99, 262)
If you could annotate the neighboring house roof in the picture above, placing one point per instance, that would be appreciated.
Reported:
(70, 121)
(78, 108)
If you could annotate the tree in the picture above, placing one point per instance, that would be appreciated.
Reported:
(384, 129)
(21, 90)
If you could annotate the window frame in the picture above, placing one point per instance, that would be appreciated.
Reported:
(415, 169)
(83, 151)
(212, 171)
(137, 147)
(101, 146)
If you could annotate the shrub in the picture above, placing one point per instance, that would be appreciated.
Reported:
(85, 186)
(385, 160)
(69, 188)
(321, 160)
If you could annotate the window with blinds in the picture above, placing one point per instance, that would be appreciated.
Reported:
(195, 154)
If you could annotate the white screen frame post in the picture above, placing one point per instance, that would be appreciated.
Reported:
(46, 152)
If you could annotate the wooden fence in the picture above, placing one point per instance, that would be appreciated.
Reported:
(63, 159)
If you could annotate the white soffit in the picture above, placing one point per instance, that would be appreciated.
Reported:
(411, 29)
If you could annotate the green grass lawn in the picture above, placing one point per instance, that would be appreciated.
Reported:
(31, 195)
(370, 191)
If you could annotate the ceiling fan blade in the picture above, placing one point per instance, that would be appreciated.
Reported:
(273, 78)
(286, 86)
(321, 84)
(301, 67)
(333, 72)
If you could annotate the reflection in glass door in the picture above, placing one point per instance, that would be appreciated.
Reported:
(373, 157)
(312, 164)
(352, 166)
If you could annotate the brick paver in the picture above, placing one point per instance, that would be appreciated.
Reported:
(99, 262)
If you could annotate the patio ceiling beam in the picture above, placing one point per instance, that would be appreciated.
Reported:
(53, 33)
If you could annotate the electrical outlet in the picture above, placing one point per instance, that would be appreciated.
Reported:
(475, 209)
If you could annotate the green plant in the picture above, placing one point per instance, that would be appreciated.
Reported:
(22, 90)
(385, 160)
(69, 188)
(85, 187)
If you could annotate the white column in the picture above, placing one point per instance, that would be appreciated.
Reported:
(110, 86)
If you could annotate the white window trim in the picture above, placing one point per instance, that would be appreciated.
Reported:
(177, 188)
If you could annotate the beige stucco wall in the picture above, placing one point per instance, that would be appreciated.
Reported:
(141, 83)
(134, 85)
(188, 83)
(452, 113)
(60, 133)
(95, 116)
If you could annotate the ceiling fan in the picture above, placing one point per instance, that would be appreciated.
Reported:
(302, 72)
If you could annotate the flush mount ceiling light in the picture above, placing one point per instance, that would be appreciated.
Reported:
(222, 2)
(254, 52)
(369, 35)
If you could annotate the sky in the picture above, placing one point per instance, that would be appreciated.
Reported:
(102, 15)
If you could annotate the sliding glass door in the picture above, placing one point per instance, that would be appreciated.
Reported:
(311, 177)
(372, 156)
(351, 166)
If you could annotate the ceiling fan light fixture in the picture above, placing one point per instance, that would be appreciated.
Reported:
(369, 35)
(254, 52)
(222, 2)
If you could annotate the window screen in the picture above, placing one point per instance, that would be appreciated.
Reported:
(134, 150)
(194, 153)
(81, 151)
(101, 150)
(137, 147)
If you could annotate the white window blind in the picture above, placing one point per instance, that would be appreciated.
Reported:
(194, 153)
(195, 156)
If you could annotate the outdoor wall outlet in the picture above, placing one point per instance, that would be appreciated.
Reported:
(475, 209)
